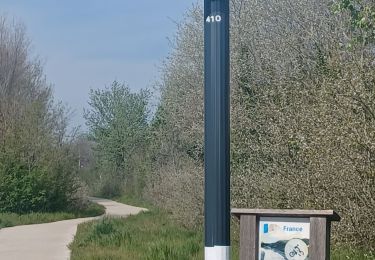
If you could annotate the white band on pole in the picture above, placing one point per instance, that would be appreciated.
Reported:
(217, 253)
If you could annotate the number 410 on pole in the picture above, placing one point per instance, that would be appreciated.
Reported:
(213, 19)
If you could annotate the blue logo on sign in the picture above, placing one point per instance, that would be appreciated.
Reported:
(265, 228)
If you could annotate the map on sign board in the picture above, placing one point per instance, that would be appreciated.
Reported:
(284, 238)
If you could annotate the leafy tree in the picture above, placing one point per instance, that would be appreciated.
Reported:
(362, 19)
(37, 168)
(118, 124)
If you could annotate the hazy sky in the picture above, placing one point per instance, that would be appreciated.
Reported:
(90, 43)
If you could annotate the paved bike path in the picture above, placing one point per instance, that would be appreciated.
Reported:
(50, 241)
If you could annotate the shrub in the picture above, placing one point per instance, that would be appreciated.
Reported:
(24, 190)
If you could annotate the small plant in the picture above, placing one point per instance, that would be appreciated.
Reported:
(103, 227)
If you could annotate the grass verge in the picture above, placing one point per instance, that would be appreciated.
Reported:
(147, 236)
(12, 219)
(151, 235)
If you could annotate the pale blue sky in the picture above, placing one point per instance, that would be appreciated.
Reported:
(89, 43)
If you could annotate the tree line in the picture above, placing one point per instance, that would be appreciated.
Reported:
(38, 171)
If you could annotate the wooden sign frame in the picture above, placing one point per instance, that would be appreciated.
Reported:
(320, 230)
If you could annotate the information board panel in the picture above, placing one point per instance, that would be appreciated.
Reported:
(284, 238)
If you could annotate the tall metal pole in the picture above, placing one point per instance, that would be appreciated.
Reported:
(217, 143)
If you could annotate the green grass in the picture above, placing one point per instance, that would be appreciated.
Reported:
(151, 235)
(148, 236)
(12, 219)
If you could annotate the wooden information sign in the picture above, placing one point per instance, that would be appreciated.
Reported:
(267, 234)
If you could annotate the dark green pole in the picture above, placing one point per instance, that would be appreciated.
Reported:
(217, 130)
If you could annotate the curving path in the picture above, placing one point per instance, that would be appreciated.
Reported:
(50, 241)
